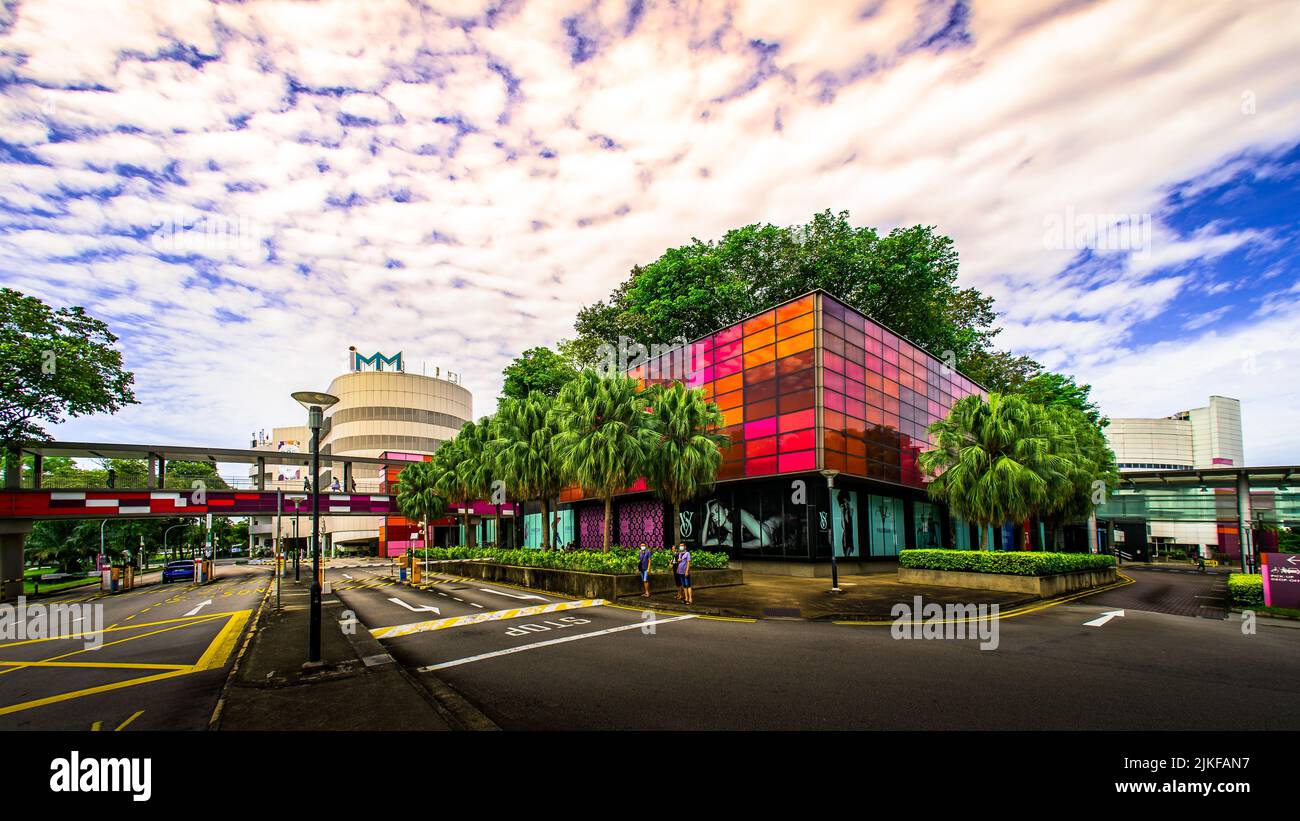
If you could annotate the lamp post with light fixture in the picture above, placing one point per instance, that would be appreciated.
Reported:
(830, 485)
(315, 403)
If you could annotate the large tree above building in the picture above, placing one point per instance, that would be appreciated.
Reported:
(905, 279)
(57, 362)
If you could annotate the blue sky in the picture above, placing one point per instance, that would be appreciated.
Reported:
(244, 190)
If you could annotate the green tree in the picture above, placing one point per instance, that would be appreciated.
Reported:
(1054, 390)
(418, 498)
(1090, 472)
(604, 435)
(905, 279)
(686, 449)
(57, 362)
(539, 370)
(449, 479)
(1000, 371)
(995, 460)
(524, 431)
(475, 471)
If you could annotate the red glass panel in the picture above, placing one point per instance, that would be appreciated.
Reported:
(727, 368)
(833, 401)
(760, 410)
(758, 467)
(798, 421)
(798, 400)
(800, 440)
(833, 381)
(760, 447)
(794, 462)
(760, 428)
(727, 335)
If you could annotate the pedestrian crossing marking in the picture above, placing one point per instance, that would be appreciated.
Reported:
(478, 618)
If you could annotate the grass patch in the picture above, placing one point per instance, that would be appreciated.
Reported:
(29, 586)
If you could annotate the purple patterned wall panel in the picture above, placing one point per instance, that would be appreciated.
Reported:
(641, 521)
(591, 527)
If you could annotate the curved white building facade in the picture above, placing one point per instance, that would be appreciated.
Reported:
(382, 411)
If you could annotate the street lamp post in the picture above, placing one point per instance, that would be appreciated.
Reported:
(297, 501)
(835, 569)
(315, 403)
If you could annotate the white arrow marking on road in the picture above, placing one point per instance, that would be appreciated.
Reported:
(424, 608)
(511, 595)
(1105, 617)
(196, 610)
(346, 576)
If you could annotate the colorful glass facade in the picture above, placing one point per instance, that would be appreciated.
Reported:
(813, 384)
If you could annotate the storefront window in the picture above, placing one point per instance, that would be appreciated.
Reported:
(886, 523)
(928, 525)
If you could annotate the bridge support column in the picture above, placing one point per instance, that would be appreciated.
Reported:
(261, 473)
(152, 482)
(347, 477)
(13, 469)
(13, 533)
(38, 468)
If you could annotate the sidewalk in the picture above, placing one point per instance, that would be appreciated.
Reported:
(864, 597)
(356, 686)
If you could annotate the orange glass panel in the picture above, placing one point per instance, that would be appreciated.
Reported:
(733, 416)
(727, 384)
(793, 309)
(758, 339)
(760, 322)
(794, 344)
(730, 400)
(760, 356)
(836, 461)
(794, 327)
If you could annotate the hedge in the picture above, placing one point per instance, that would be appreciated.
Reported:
(1017, 563)
(619, 560)
(1246, 589)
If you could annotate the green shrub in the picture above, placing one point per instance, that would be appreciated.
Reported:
(1018, 563)
(619, 560)
(1246, 589)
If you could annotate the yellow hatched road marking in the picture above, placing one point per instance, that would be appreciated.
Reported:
(479, 618)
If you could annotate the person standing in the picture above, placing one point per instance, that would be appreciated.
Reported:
(677, 576)
(684, 565)
(643, 562)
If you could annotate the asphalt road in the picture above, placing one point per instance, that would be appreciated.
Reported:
(596, 666)
(164, 657)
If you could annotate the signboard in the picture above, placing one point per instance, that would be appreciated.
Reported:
(1281, 572)
(357, 362)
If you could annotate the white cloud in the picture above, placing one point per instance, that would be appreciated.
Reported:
(1098, 108)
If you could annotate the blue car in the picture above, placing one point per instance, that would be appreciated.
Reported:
(176, 571)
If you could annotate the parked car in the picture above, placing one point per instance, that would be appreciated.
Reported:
(176, 571)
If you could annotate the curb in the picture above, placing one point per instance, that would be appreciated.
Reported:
(255, 624)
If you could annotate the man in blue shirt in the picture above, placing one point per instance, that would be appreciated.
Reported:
(643, 562)
(684, 568)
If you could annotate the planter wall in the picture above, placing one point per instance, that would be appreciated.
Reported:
(1042, 586)
(584, 585)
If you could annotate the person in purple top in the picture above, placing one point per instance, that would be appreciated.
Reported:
(684, 568)
(643, 563)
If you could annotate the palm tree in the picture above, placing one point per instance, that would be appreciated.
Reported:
(1092, 467)
(447, 478)
(604, 435)
(994, 460)
(418, 498)
(524, 431)
(687, 449)
(475, 470)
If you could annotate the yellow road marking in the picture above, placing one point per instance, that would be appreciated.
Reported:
(103, 665)
(94, 728)
(216, 654)
(133, 717)
(479, 618)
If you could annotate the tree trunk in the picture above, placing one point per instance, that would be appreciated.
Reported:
(983, 536)
(677, 524)
(609, 507)
(546, 524)
(498, 527)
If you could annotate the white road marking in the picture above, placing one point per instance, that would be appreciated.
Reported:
(1103, 618)
(196, 610)
(346, 576)
(479, 606)
(511, 595)
(478, 618)
(471, 659)
(424, 608)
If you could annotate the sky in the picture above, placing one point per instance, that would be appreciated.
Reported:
(244, 190)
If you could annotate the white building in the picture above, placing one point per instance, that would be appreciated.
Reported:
(378, 411)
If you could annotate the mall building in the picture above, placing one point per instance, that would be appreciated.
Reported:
(806, 386)
(381, 412)
(1190, 440)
